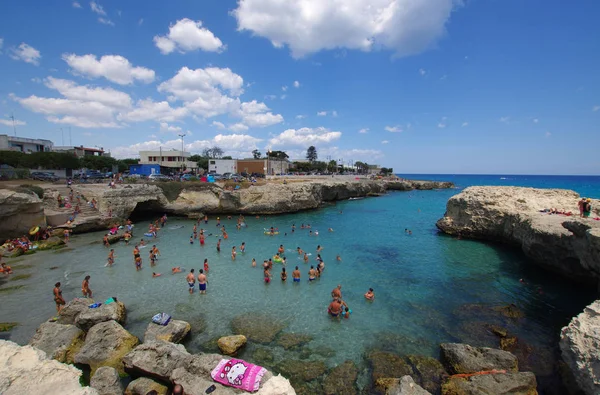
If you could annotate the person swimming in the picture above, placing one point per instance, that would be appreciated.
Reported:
(370, 295)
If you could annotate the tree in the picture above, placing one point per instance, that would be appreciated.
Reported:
(332, 166)
(256, 154)
(311, 153)
(277, 155)
(227, 157)
(213, 153)
(362, 167)
(385, 170)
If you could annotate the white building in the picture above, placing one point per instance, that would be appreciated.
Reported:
(222, 166)
(80, 151)
(14, 143)
(167, 158)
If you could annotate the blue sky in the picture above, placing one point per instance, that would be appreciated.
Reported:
(423, 86)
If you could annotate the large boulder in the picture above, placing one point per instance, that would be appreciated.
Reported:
(276, 385)
(387, 365)
(19, 212)
(144, 385)
(405, 386)
(515, 383)
(106, 381)
(157, 359)
(341, 380)
(60, 342)
(175, 331)
(229, 345)
(106, 312)
(27, 370)
(462, 358)
(580, 348)
(568, 245)
(70, 311)
(428, 372)
(258, 328)
(105, 345)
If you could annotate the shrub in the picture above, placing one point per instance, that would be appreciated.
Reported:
(28, 188)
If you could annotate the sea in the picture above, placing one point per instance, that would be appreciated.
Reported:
(430, 288)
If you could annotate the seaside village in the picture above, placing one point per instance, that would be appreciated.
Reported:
(52, 195)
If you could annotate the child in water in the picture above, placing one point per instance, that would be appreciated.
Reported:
(191, 239)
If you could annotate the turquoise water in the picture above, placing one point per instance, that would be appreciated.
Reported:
(429, 288)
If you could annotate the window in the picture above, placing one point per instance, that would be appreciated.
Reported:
(212, 162)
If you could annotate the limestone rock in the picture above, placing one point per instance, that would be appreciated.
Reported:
(462, 358)
(301, 371)
(292, 340)
(407, 386)
(72, 309)
(428, 372)
(580, 348)
(19, 212)
(175, 331)
(386, 364)
(258, 328)
(27, 370)
(50, 243)
(568, 245)
(194, 375)
(106, 381)
(276, 385)
(229, 345)
(156, 359)
(105, 345)
(517, 383)
(342, 379)
(143, 385)
(107, 312)
(60, 342)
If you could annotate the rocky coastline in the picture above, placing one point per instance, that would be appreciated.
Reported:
(118, 362)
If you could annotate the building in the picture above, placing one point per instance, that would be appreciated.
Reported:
(374, 169)
(81, 151)
(222, 166)
(269, 166)
(171, 159)
(22, 144)
(145, 170)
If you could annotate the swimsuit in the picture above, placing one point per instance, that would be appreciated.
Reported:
(202, 287)
(191, 285)
(296, 280)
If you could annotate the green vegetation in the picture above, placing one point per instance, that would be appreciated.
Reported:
(172, 189)
(6, 326)
(11, 289)
(28, 188)
(20, 277)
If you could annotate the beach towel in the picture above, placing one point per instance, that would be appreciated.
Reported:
(161, 319)
(238, 374)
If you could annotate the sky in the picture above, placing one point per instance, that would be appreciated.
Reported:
(422, 86)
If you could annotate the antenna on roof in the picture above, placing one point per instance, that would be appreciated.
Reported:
(14, 127)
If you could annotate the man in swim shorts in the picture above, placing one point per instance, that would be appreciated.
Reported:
(296, 275)
(191, 280)
(202, 282)
(337, 292)
(312, 273)
(335, 308)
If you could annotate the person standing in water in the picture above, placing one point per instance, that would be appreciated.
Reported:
(219, 245)
(337, 292)
(206, 265)
(202, 282)
(370, 295)
(58, 298)
(296, 275)
(312, 274)
(191, 280)
(233, 253)
(111, 257)
(283, 274)
(85, 287)
(243, 247)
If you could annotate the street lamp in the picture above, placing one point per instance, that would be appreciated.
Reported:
(268, 156)
(182, 161)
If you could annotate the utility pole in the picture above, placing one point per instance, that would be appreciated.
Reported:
(182, 161)
(62, 133)
(14, 127)
(70, 142)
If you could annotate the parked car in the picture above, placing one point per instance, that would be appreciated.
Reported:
(216, 177)
(43, 176)
(187, 177)
(158, 177)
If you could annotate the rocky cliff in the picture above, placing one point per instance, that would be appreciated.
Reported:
(568, 245)
(19, 212)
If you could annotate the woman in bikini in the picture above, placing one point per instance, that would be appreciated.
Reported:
(58, 298)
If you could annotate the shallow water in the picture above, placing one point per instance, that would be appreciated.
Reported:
(429, 288)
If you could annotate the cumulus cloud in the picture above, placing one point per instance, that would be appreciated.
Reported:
(97, 8)
(238, 127)
(305, 137)
(548, 134)
(107, 96)
(149, 110)
(364, 130)
(26, 53)
(186, 36)
(404, 26)
(300, 116)
(296, 84)
(218, 125)
(76, 4)
(9, 122)
(114, 68)
(189, 84)
(166, 128)
(322, 113)
(384, 142)
(393, 129)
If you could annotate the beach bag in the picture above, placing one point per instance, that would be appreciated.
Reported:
(161, 319)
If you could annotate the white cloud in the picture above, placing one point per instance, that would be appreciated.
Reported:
(422, 71)
(36, 80)
(364, 130)
(441, 125)
(595, 108)
(384, 142)
(26, 53)
(238, 127)
(296, 84)
(300, 116)
(186, 36)
(148, 109)
(504, 119)
(9, 122)
(218, 125)
(114, 68)
(255, 114)
(535, 120)
(465, 124)
(105, 21)
(334, 114)
(393, 129)
(271, 97)
(97, 8)
(166, 128)
(283, 97)
(322, 113)
(404, 26)
(189, 84)
(141, 22)
(305, 137)
(76, 4)
(284, 88)
(548, 134)
(106, 96)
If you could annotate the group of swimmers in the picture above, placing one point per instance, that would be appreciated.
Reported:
(339, 308)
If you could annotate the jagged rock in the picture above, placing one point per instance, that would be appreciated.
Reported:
(19, 212)
(50, 243)
(156, 359)
(106, 381)
(105, 345)
(107, 312)
(517, 383)
(72, 309)
(293, 340)
(229, 345)
(144, 385)
(27, 370)
(580, 348)
(568, 245)
(342, 379)
(175, 331)
(276, 385)
(428, 372)
(386, 364)
(462, 358)
(406, 386)
(60, 342)
(258, 328)
(301, 371)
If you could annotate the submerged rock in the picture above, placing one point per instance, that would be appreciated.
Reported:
(7, 326)
(107, 312)
(293, 340)
(106, 380)
(510, 311)
(60, 342)
(515, 383)
(428, 372)
(51, 243)
(580, 345)
(341, 380)
(462, 358)
(105, 345)
(258, 328)
(175, 331)
(262, 356)
(156, 359)
(27, 370)
(387, 365)
(229, 345)
(301, 371)
(144, 385)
